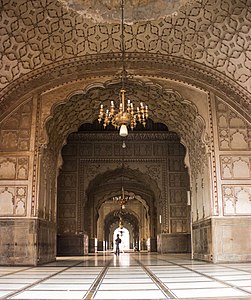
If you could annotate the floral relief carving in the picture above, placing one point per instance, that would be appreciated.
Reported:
(154, 171)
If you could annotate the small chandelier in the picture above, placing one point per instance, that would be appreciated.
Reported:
(125, 115)
(121, 223)
(122, 199)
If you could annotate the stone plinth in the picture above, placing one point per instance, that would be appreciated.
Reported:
(92, 245)
(231, 240)
(202, 240)
(72, 244)
(174, 243)
(26, 242)
(152, 245)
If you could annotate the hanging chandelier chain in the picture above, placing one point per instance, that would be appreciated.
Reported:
(126, 115)
(124, 73)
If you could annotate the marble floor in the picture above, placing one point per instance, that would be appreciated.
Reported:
(128, 276)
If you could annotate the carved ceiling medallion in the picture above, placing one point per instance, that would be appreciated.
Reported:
(135, 10)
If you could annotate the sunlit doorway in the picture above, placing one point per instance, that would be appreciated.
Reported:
(125, 239)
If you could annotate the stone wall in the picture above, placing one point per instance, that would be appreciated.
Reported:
(202, 248)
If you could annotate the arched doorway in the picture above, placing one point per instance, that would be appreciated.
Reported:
(154, 176)
(124, 235)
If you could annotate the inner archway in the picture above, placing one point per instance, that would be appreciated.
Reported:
(154, 175)
(124, 235)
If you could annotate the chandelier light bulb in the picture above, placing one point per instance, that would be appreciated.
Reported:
(123, 131)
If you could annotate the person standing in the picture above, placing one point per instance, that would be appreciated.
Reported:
(117, 242)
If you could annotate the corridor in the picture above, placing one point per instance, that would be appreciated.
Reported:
(129, 276)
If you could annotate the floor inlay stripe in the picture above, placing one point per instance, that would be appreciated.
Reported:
(15, 272)
(90, 294)
(19, 291)
(167, 292)
(208, 276)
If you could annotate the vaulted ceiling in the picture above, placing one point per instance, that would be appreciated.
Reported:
(45, 43)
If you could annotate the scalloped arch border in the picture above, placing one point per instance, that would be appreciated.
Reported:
(101, 65)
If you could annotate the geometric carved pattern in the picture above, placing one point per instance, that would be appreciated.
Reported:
(237, 199)
(13, 200)
(204, 33)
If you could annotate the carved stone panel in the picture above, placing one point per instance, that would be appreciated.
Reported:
(235, 167)
(176, 164)
(178, 196)
(177, 211)
(68, 180)
(177, 180)
(14, 167)
(13, 200)
(178, 226)
(15, 131)
(67, 196)
(66, 226)
(236, 199)
(233, 131)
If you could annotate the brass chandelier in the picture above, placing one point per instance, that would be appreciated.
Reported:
(126, 114)
(122, 199)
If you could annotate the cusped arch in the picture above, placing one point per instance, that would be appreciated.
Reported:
(106, 65)
(145, 182)
(165, 106)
